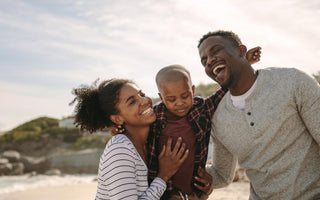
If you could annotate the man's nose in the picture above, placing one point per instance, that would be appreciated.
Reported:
(210, 61)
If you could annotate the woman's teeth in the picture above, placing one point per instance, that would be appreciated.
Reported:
(146, 111)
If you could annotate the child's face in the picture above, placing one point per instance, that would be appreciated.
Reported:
(177, 96)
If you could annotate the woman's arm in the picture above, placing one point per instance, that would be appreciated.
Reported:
(123, 175)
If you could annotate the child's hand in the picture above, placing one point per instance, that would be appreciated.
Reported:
(206, 179)
(253, 55)
(170, 161)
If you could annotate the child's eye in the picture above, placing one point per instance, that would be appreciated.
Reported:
(171, 99)
(185, 96)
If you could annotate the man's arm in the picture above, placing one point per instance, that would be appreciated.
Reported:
(223, 167)
(308, 103)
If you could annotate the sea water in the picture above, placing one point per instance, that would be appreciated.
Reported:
(10, 184)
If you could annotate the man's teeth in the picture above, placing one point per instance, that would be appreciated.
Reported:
(215, 70)
(146, 111)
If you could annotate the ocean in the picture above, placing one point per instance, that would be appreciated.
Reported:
(10, 184)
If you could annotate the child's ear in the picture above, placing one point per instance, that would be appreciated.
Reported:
(117, 119)
(243, 50)
(160, 96)
(193, 89)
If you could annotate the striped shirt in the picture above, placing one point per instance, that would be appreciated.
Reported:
(124, 175)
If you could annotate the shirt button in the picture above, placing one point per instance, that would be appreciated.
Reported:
(251, 123)
(249, 113)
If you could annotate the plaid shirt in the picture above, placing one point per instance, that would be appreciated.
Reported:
(199, 118)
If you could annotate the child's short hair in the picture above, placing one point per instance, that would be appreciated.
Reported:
(172, 73)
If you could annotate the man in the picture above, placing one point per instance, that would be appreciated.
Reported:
(269, 122)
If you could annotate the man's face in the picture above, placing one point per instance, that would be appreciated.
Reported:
(177, 96)
(220, 58)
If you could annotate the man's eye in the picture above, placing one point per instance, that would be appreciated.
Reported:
(204, 62)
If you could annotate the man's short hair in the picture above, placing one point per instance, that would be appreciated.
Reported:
(231, 36)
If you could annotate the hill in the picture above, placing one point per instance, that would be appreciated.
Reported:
(42, 135)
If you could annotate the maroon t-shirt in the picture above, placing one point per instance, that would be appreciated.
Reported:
(175, 129)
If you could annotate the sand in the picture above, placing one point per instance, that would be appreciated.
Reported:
(235, 191)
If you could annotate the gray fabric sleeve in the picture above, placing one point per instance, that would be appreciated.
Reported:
(223, 167)
(308, 103)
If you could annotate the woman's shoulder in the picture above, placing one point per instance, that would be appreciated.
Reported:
(119, 144)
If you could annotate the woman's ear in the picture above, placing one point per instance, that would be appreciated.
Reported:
(117, 119)
(243, 50)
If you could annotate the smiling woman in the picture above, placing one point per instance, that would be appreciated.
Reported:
(122, 169)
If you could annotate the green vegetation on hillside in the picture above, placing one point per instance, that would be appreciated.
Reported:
(90, 141)
(35, 129)
(46, 133)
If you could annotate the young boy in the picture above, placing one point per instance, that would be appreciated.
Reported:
(181, 115)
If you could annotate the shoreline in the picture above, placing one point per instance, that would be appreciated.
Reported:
(86, 191)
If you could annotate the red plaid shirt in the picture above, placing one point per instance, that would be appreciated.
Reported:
(199, 118)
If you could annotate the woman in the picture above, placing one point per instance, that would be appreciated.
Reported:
(122, 169)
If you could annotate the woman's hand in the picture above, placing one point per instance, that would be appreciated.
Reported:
(253, 55)
(206, 179)
(171, 160)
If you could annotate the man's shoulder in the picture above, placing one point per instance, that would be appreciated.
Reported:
(278, 70)
(280, 73)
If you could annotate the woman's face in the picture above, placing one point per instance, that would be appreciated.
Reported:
(134, 107)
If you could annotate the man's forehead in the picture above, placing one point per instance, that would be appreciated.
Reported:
(214, 40)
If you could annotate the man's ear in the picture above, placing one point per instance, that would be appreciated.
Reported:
(117, 119)
(193, 89)
(243, 50)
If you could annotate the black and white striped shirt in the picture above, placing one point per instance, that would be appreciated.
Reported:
(124, 175)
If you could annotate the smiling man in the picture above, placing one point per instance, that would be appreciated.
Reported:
(269, 122)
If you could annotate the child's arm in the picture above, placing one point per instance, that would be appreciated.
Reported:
(253, 55)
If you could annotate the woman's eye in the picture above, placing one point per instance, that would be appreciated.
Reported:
(132, 102)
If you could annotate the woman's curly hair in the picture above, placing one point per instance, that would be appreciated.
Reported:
(95, 104)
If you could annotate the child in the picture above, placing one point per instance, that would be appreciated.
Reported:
(182, 115)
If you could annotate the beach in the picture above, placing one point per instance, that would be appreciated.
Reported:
(85, 191)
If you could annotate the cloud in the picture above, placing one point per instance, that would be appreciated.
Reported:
(50, 47)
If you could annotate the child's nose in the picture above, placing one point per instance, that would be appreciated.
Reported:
(180, 102)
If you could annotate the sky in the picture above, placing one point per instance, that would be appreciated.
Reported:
(49, 47)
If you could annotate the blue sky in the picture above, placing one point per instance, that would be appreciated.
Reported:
(49, 47)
